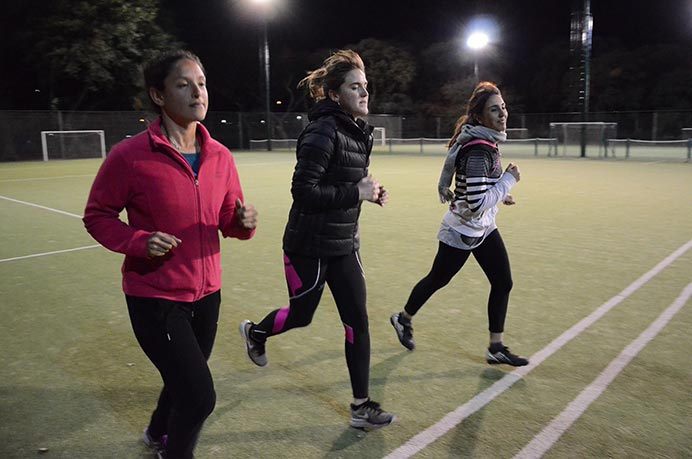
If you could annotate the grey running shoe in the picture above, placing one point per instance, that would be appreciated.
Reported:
(369, 416)
(255, 350)
(404, 331)
(504, 356)
(152, 442)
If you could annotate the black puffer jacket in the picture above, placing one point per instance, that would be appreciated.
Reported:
(333, 156)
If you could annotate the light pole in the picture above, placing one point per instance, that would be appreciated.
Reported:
(264, 62)
(477, 41)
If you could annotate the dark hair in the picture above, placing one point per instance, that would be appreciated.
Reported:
(474, 108)
(156, 71)
(331, 74)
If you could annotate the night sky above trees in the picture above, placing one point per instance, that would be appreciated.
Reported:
(84, 54)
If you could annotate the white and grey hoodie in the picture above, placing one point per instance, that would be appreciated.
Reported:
(480, 185)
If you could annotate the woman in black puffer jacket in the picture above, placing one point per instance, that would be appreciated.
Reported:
(321, 240)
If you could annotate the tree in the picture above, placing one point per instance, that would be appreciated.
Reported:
(650, 77)
(546, 82)
(446, 80)
(89, 53)
(390, 71)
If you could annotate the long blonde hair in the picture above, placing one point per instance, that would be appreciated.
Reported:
(474, 107)
(331, 74)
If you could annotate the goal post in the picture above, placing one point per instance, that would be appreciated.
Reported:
(78, 144)
(576, 137)
(379, 136)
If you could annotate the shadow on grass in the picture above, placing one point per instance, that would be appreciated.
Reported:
(465, 436)
(379, 374)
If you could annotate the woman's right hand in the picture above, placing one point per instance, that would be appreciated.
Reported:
(445, 193)
(159, 244)
(513, 169)
(368, 189)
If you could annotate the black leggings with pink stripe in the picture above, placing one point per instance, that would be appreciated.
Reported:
(305, 278)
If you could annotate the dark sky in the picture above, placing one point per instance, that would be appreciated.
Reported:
(315, 23)
(225, 33)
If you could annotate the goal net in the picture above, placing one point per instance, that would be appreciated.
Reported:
(73, 144)
(379, 137)
(593, 136)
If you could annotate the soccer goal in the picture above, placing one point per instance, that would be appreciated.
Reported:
(73, 144)
(576, 138)
(379, 136)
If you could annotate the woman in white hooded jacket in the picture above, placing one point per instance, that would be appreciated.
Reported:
(469, 225)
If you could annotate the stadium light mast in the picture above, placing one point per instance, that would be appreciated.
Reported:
(263, 8)
(477, 41)
(587, 41)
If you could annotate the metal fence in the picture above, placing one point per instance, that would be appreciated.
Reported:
(20, 131)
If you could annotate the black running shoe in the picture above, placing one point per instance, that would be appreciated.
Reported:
(504, 356)
(404, 331)
(369, 416)
(255, 349)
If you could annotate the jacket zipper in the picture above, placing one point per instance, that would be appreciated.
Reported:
(201, 236)
(198, 201)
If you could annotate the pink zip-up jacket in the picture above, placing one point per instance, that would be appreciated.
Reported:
(156, 186)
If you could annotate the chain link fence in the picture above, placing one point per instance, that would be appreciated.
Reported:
(20, 131)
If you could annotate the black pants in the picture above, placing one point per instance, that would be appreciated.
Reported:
(305, 278)
(178, 339)
(492, 258)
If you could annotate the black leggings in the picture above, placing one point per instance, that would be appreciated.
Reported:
(492, 258)
(178, 338)
(305, 278)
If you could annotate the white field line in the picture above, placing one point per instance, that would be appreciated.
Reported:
(559, 425)
(451, 420)
(45, 253)
(31, 179)
(31, 204)
(49, 253)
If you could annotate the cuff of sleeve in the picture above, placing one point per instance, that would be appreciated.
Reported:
(138, 244)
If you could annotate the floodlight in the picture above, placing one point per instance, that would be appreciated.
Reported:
(477, 40)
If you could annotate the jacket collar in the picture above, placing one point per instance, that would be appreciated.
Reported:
(327, 107)
(159, 140)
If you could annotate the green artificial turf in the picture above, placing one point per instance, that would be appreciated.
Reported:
(73, 379)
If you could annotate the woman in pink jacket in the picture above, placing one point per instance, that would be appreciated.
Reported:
(179, 188)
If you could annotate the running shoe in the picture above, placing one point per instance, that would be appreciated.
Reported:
(369, 416)
(152, 442)
(504, 356)
(404, 330)
(255, 349)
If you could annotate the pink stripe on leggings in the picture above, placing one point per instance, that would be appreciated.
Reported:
(349, 334)
(294, 282)
(280, 320)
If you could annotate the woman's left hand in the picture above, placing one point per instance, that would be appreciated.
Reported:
(383, 197)
(247, 214)
(509, 200)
